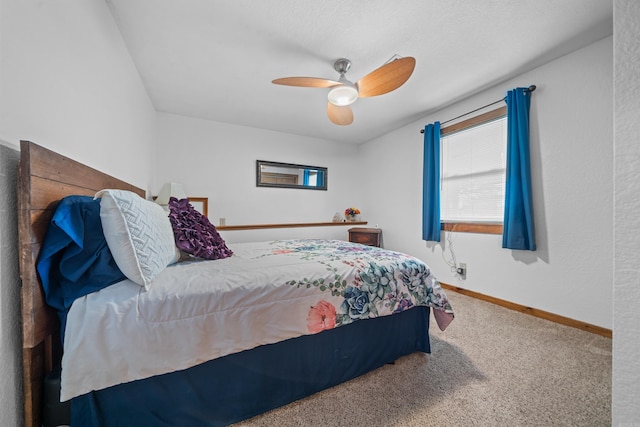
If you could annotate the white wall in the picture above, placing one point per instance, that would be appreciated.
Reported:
(626, 323)
(10, 323)
(218, 161)
(66, 82)
(571, 155)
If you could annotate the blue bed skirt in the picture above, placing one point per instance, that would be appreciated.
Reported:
(239, 386)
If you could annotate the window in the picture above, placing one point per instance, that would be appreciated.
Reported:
(473, 173)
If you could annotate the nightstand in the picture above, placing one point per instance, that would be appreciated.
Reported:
(366, 236)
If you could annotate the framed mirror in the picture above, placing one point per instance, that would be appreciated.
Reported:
(289, 175)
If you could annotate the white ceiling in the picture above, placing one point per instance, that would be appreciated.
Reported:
(215, 59)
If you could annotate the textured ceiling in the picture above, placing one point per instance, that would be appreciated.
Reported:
(215, 59)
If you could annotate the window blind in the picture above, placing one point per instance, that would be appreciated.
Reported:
(473, 173)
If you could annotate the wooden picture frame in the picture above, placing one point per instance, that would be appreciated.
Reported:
(201, 204)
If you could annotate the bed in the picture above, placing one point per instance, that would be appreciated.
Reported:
(284, 351)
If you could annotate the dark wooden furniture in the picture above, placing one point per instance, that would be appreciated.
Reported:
(366, 236)
(45, 177)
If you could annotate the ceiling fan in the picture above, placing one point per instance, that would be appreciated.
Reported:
(343, 93)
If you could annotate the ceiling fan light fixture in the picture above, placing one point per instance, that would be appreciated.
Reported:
(343, 95)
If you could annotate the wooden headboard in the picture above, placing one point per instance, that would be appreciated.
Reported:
(45, 177)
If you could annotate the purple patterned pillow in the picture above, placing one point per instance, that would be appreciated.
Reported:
(193, 232)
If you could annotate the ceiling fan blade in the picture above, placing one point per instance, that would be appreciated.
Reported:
(339, 115)
(305, 82)
(386, 78)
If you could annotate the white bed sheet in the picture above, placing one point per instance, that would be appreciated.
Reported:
(200, 310)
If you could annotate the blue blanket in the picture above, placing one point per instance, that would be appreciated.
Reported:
(75, 259)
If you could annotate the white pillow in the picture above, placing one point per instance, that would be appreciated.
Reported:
(138, 233)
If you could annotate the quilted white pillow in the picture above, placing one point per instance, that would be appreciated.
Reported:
(138, 233)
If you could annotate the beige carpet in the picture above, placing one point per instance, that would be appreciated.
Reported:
(491, 367)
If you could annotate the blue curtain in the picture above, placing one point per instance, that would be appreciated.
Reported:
(431, 183)
(518, 232)
(305, 177)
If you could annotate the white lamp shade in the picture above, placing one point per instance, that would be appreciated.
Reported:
(170, 189)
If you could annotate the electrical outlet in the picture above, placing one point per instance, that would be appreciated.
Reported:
(223, 221)
(462, 269)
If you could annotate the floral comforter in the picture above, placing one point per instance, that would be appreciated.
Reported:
(265, 293)
(379, 283)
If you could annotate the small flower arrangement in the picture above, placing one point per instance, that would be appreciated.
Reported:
(350, 212)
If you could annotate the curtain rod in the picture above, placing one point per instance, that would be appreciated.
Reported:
(530, 89)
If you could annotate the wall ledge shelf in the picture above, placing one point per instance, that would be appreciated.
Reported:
(291, 225)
